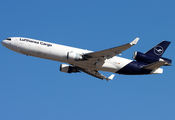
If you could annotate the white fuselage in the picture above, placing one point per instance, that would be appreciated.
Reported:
(59, 53)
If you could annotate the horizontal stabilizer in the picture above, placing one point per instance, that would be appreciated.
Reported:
(155, 65)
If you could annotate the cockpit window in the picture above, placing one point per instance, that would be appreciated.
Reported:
(8, 39)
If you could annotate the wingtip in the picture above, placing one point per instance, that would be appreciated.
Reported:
(110, 77)
(134, 42)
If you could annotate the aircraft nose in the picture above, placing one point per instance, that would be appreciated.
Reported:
(3, 42)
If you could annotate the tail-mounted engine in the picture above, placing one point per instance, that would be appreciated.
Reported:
(68, 69)
(74, 56)
(141, 57)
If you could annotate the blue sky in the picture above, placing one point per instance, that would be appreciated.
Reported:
(33, 88)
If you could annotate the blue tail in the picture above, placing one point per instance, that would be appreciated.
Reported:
(158, 50)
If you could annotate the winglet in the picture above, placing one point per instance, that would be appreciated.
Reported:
(134, 42)
(110, 77)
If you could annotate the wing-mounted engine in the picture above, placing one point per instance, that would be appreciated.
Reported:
(74, 56)
(141, 57)
(68, 68)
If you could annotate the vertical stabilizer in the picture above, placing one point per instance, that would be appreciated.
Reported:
(159, 49)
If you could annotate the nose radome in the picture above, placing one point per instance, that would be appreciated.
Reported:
(2, 42)
(5, 43)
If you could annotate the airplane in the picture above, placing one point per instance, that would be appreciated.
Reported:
(81, 60)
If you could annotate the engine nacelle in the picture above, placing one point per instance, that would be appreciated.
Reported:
(68, 69)
(149, 59)
(74, 56)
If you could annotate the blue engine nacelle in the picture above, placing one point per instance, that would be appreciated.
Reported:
(141, 57)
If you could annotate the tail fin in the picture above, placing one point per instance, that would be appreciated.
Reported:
(159, 49)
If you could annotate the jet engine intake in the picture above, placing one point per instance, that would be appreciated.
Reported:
(74, 56)
(68, 68)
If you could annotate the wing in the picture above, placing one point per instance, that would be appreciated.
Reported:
(95, 73)
(109, 53)
(98, 58)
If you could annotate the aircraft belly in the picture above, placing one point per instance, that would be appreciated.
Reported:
(133, 68)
